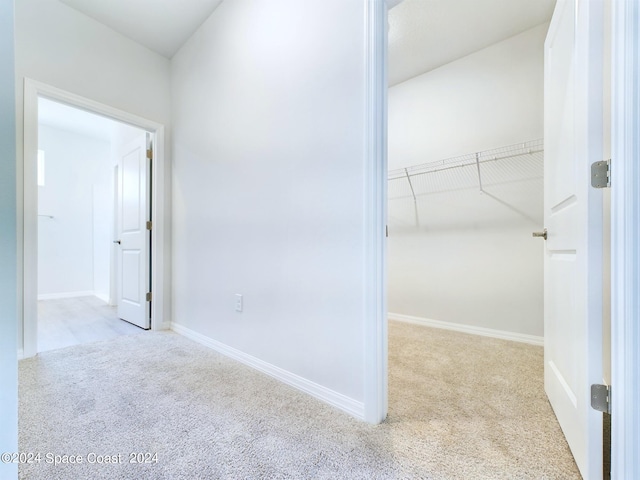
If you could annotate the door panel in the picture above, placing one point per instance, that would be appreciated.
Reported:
(132, 190)
(572, 255)
(133, 212)
(130, 288)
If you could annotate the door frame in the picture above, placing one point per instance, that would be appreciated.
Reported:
(375, 361)
(113, 274)
(32, 90)
(625, 244)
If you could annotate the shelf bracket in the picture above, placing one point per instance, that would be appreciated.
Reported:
(415, 201)
(479, 177)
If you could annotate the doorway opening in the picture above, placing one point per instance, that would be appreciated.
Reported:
(80, 209)
(465, 194)
(93, 221)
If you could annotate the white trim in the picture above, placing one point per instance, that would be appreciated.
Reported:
(20, 354)
(89, 293)
(163, 326)
(338, 400)
(55, 296)
(159, 260)
(625, 244)
(393, 3)
(588, 110)
(473, 330)
(375, 209)
(102, 296)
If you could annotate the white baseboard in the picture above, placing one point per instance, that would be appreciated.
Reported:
(457, 327)
(20, 354)
(55, 296)
(103, 296)
(324, 394)
(165, 326)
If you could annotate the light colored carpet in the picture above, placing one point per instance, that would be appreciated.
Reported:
(461, 407)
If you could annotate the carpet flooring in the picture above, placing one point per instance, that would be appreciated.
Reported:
(460, 407)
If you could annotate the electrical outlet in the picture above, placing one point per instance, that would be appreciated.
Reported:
(238, 302)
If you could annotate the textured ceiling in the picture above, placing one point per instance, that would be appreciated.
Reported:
(426, 34)
(161, 25)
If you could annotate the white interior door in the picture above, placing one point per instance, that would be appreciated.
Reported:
(133, 251)
(573, 217)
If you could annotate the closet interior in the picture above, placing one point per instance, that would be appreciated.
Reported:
(461, 250)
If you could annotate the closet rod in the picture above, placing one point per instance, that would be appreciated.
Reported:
(520, 149)
(397, 175)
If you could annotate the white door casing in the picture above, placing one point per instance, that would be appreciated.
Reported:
(375, 248)
(573, 218)
(625, 242)
(133, 235)
(28, 234)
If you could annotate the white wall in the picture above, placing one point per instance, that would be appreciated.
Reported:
(64, 48)
(486, 100)
(103, 235)
(473, 261)
(8, 307)
(77, 170)
(268, 102)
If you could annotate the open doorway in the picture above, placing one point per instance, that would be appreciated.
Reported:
(81, 210)
(466, 189)
(139, 269)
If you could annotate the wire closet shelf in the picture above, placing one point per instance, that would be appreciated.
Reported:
(511, 151)
(503, 174)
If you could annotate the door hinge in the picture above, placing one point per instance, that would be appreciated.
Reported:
(149, 225)
(148, 296)
(601, 398)
(543, 234)
(601, 174)
(149, 153)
